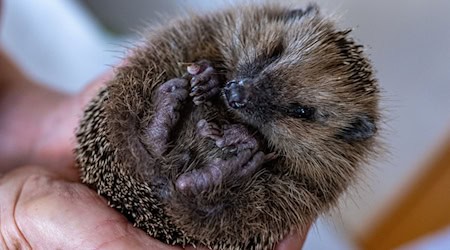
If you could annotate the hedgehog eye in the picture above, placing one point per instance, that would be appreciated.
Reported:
(302, 112)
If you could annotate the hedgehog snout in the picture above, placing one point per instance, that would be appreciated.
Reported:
(238, 92)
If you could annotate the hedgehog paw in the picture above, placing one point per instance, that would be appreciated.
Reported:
(169, 100)
(205, 82)
(237, 138)
(209, 130)
(221, 171)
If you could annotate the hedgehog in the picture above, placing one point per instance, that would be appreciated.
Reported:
(272, 120)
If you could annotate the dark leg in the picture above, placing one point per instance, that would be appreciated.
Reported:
(205, 82)
(169, 100)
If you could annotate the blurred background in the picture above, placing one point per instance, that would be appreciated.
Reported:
(403, 199)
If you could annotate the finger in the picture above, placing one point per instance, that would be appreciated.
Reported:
(50, 213)
(91, 89)
(293, 241)
(54, 149)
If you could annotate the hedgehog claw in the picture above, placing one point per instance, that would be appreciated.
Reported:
(205, 82)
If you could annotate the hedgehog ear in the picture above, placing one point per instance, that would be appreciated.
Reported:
(361, 129)
(311, 9)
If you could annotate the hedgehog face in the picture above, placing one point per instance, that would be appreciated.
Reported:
(304, 84)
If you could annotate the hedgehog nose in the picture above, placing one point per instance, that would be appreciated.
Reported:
(236, 93)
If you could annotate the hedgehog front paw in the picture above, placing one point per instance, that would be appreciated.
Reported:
(169, 100)
(235, 137)
(205, 82)
(209, 130)
(238, 138)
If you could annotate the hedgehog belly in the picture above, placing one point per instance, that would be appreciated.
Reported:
(138, 201)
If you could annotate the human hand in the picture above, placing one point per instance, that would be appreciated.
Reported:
(41, 210)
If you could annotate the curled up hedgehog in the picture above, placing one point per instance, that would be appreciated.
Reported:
(259, 135)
